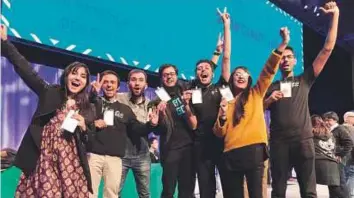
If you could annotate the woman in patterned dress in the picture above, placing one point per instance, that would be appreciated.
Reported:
(53, 160)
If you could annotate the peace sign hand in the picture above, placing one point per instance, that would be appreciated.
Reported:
(97, 84)
(224, 16)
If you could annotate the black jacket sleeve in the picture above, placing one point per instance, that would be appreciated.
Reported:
(137, 127)
(23, 68)
(344, 142)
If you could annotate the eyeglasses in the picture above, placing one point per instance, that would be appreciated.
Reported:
(165, 75)
(239, 74)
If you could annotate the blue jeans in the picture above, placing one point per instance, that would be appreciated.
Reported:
(140, 165)
(349, 173)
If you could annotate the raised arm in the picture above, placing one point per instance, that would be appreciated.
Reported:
(332, 10)
(271, 67)
(226, 59)
(218, 50)
(22, 67)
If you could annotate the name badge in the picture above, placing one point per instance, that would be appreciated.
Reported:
(197, 96)
(108, 117)
(226, 93)
(162, 94)
(69, 123)
(285, 88)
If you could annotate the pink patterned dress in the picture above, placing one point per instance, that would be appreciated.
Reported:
(58, 172)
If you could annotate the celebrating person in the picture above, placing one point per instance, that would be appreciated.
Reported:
(242, 126)
(51, 156)
(291, 143)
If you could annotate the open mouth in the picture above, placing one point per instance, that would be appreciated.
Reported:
(75, 84)
(170, 80)
(204, 76)
(241, 81)
(137, 88)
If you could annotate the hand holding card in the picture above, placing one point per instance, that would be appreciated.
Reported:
(108, 117)
(285, 88)
(197, 96)
(226, 93)
(162, 94)
(69, 123)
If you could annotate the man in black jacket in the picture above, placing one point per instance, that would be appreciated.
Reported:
(107, 145)
(344, 144)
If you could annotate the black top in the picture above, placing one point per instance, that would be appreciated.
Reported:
(50, 98)
(325, 146)
(112, 139)
(207, 113)
(290, 117)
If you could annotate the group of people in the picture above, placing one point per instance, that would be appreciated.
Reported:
(77, 137)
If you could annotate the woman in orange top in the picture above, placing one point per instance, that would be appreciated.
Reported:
(241, 123)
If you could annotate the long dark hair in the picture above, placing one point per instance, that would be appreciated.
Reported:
(239, 111)
(80, 98)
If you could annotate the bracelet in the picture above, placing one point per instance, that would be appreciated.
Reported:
(217, 53)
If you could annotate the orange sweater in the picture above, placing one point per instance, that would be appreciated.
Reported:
(252, 127)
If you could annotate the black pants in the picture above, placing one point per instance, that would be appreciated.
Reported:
(336, 192)
(177, 166)
(301, 156)
(205, 163)
(232, 182)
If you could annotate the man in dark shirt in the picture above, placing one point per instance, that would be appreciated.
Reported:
(291, 143)
(207, 147)
(176, 136)
(107, 145)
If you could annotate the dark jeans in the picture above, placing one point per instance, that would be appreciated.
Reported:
(301, 156)
(343, 181)
(349, 173)
(232, 182)
(140, 165)
(177, 167)
(205, 163)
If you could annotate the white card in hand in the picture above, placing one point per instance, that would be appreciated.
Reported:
(108, 117)
(197, 96)
(69, 123)
(226, 93)
(162, 94)
(285, 88)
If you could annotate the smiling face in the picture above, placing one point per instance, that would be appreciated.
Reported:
(76, 80)
(169, 77)
(240, 78)
(137, 83)
(204, 73)
(109, 85)
(288, 61)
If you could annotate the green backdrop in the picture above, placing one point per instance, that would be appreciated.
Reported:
(10, 177)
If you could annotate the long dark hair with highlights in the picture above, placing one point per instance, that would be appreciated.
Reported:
(241, 101)
(80, 98)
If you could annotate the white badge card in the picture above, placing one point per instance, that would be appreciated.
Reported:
(162, 94)
(197, 96)
(108, 117)
(226, 93)
(285, 88)
(69, 123)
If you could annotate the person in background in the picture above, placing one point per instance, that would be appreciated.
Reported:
(242, 125)
(344, 145)
(349, 167)
(154, 150)
(291, 143)
(115, 121)
(52, 158)
(326, 164)
(137, 156)
(7, 158)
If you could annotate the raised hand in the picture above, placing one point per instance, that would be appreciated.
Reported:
(330, 8)
(97, 84)
(220, 43)
(154, 116)
(3, 31)
(285, 35)
(224, 16)
(223, 109)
